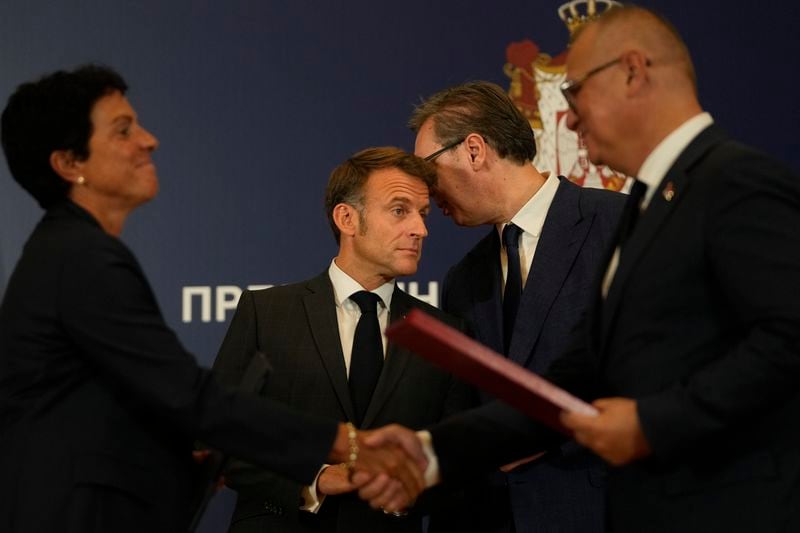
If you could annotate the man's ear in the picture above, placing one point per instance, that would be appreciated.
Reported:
(345, 216)
(66, 165)
(636, 63)
(476, 149)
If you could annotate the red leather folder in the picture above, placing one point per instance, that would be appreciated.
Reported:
(475, 363)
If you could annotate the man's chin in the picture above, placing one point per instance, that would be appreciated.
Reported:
(457, 219)
(406, 268)
(463, 222)
(594, 156)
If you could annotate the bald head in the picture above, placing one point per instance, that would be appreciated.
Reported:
(634, 28)
(633, 84)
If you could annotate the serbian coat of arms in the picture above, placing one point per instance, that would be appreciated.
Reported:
(535, 78)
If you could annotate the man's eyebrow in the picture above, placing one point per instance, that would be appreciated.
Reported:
(399, 198)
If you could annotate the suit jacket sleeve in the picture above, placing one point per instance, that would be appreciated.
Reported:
(444, 499)
(460, 396)
(110, 311)
(237, 349)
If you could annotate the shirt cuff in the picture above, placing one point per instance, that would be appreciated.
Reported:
(431, 474)
(312, 502)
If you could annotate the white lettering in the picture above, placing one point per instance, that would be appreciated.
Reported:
(413, 289)
(227, 299)
(205, 303)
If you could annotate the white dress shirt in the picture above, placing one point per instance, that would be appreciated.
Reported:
(655, 167)
(347, 315)
(530, 219)
(660, 160)
(348, 312)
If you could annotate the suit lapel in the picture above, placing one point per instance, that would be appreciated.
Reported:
(564, 230)
(395, 362)
(677, 180)
(321, 312)
(486, 278)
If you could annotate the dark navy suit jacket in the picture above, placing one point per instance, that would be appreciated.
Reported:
(563, 491)
(702, 327)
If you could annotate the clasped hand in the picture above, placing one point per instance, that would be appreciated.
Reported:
(388, 471)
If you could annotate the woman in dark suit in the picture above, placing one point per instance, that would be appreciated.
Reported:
(99, 402)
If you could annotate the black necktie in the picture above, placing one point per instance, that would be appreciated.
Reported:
(513, 291)
(366, 360)
(633, 209)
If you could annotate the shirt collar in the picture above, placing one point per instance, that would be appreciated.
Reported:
(344, 286)
(533, 214)
(660, 160)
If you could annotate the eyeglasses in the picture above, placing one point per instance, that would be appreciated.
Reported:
(439, 152)
(570, 88)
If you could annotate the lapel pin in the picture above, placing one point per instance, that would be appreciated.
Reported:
(669, 191)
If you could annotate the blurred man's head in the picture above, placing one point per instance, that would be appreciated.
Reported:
(630, 82)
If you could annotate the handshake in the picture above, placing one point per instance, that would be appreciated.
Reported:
(385, 465)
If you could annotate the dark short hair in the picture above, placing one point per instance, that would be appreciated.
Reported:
(478, 107)
(50, 114)
(346, 183)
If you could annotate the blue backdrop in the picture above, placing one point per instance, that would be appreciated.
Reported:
(254, 102)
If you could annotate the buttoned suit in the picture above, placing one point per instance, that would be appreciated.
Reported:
(701, 326)
(563, 491)
(296, 327)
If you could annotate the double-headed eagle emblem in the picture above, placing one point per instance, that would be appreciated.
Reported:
(535, 77)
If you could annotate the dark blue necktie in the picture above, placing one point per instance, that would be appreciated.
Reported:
(513, 290)
(366, 360)
(633, 208)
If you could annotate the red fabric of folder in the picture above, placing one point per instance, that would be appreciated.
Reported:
(475, 363)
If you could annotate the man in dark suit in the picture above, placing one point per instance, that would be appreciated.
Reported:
(376, 202)
(693, 346)
(484, 148)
